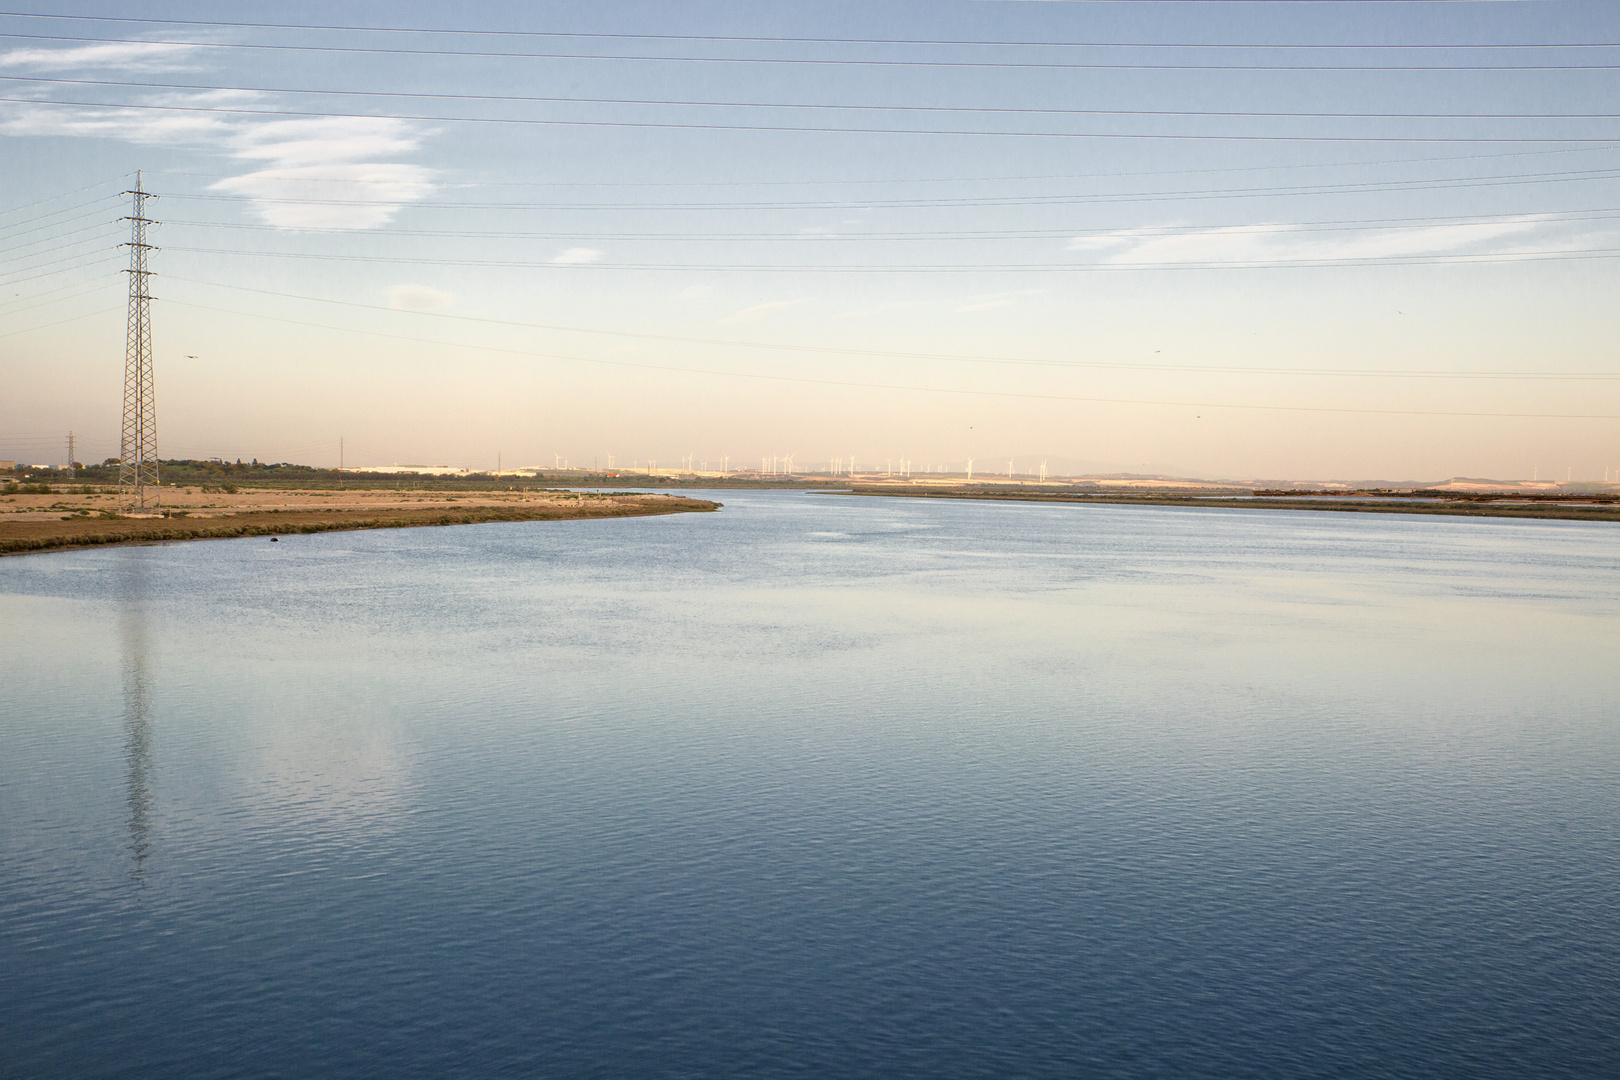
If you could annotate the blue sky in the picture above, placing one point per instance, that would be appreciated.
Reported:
(1250, 240)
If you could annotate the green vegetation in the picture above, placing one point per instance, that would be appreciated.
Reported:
(227, 476)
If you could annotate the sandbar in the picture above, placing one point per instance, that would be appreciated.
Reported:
(73, 516)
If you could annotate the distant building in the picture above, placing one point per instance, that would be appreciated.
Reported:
(423, 470)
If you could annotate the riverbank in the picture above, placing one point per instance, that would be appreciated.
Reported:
(85, 517)
(1461, 506)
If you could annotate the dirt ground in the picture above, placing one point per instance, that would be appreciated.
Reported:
(72, 517)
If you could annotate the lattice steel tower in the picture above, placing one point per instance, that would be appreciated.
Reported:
(138, 460)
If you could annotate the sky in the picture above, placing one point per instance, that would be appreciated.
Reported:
(1271, 240)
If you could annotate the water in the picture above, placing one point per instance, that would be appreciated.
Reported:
(818, 786)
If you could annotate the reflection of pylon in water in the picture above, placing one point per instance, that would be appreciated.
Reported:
(138, 460)
(139, 773)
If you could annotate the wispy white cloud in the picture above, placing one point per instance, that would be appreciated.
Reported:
(127, 125)
(577, 256)
(322, 173)
(417, 298)
(991, 301)
(1293, 243)
(882, 309)
(124, 56)
(319, 173)
(320, 141)
(749, 314)
(1108, 241)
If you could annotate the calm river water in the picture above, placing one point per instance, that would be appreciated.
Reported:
(818, 786)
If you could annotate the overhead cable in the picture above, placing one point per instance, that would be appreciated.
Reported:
(898, 355)
(1449, 182)
(786, 40)
(800, 380)
(810, 106)
(818, 61)
(1550, 255)
(1226, 229)
(1134, 136)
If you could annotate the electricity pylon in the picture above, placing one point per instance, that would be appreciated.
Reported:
(138, 460)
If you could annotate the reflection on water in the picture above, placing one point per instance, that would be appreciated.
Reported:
(818, 786)
(137, 723)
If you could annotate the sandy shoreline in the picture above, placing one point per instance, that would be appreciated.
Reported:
(72, 518)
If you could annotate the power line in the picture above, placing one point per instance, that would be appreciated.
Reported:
(1189, 194)
(76, 262)
(810, 106)
(894, 355)
(42, 220)
(66, 195)
(10, 307)
(784, 40)
(925, 389)
(1360, 163)
(60, 322)
(809, 129)
(24, 305)
(96, 221)
(820, 61)
(12, 272)
(57, 255)
(1150, 232)
(1549, 255)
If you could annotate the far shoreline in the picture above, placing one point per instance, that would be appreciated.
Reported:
(1442, 507)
